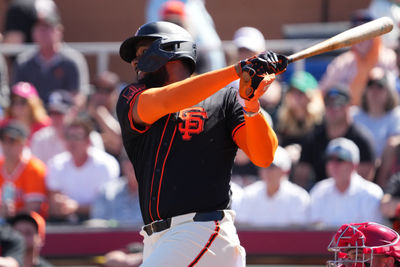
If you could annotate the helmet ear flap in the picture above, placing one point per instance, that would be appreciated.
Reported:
(154, 57)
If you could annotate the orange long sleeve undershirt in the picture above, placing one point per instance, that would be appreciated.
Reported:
(258, 140)
(157, 102)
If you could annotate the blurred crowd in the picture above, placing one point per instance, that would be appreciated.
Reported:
(61, 148)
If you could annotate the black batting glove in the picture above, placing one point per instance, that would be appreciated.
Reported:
(276, 63)
(265, 62)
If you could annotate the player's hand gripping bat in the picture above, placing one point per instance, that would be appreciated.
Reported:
(347, 38)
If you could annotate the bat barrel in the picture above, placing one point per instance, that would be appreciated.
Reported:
(349, 37)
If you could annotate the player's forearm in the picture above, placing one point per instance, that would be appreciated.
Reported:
(258, 140)
(154, 103)
(261, 140)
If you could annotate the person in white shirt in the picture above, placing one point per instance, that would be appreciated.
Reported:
(48, 141)
(344, 197)
(274, 200)
(76, 176)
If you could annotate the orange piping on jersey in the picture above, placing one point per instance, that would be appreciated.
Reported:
(155, 164)
(155, 103)
(162, 173)
(237, 128)
(208, 244)
(131, 118)
(258, 140)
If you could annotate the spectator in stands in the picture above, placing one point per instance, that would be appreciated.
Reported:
(21, 16)
(52, 65)
(352, 67)
(302, 109)
(32, 227)
(22, 177)
(27, 108)
(119, 198)
(4, 88)
(337, 123)
(390, 203)
(275, 200)
(174, 11)
(101, 107)
(272, 101)
(345, 196)
(379, 114)
(12, 247)
(201, 26)
(76, 176)
(249, 42)
(49, 141)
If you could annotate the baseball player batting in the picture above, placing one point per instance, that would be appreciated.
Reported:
(181, 134)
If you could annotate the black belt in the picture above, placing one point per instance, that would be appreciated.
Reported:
(161, 225)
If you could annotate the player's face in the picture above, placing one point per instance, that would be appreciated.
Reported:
(150, 79)
(142, 48)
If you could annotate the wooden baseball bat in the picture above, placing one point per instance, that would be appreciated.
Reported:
(349, 37)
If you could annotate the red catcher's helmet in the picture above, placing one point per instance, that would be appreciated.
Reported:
(363, 240)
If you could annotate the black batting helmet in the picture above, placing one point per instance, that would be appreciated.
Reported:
(171, 42)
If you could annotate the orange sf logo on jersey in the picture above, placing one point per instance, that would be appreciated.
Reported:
(192, 122)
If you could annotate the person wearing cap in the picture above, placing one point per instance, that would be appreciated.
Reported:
(301, 110)
(174, 11)
(379, 114)
(52, 64)
(274, 200)
(22, 176)
(337, 123)
(345, 196)
(32, 226)
(49, 141)
(353, 66)
(192, 16)
(26, 107)
(249, 41)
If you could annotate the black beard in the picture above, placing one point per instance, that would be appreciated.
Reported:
(155, 79)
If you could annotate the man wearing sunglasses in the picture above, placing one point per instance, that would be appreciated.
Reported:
(345, 196)
(337, 123)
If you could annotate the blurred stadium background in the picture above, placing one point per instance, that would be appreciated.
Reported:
(96, 27)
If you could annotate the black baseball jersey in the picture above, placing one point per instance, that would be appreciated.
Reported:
(183, 161)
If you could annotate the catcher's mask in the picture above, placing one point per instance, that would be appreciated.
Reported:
(171, 42)
(356, 244)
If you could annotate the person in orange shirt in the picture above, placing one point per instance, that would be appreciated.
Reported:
(22, 176)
